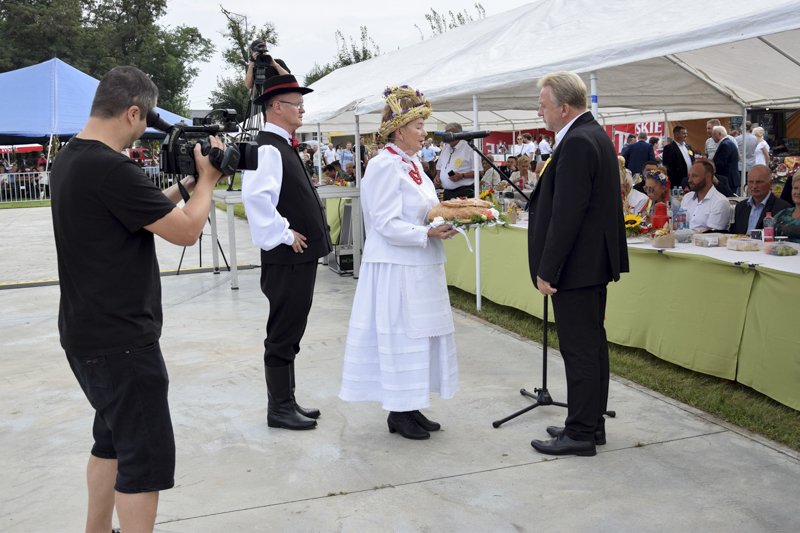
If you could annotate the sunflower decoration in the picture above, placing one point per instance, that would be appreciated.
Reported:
(633, 225)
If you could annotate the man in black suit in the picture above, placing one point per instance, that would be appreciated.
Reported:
(576, 245)
(750, 214)
(678, 156)
(638, 153)
(726, 158)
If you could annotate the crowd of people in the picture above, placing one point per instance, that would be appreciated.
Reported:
(18, 182)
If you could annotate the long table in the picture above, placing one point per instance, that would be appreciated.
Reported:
(728, 314)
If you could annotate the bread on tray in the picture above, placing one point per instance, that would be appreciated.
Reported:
(461, 210)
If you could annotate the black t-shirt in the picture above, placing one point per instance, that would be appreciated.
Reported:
(107, 266)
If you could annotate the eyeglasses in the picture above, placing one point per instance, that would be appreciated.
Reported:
(650, 189)
(298, 105)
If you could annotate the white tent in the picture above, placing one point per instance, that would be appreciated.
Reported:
(713, 57)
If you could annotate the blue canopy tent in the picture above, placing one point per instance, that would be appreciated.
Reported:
(51, 98)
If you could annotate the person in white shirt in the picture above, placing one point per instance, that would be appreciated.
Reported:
(711, 144)
(706, 208)
(519, 148)
(490, 178)
(454, 170)
(762, 147)
(544, 147)
(749, 153)
(330, 154)
(400, 345)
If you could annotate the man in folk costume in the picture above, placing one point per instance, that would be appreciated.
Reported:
(400, 344)
(288, 223)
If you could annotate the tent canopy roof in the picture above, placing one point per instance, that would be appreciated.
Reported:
(714, 56)
(48, 98)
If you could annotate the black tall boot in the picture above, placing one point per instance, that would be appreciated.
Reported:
(280, 409)
(309, 413)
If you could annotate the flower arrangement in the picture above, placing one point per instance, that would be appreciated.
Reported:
(633, 225)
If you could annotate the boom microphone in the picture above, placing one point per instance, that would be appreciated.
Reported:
(464, 136)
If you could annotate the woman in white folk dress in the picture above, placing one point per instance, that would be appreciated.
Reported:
(400, 344)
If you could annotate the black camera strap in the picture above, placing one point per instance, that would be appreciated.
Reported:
(183, 191)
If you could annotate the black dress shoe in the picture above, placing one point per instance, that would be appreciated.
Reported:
(599, 435)
(405, 424)
(424, 423)
(563, 445)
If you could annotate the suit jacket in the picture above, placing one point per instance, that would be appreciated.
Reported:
(675, 163)
(742, 213)
(726, 160)
(637, 155)
(576, 232)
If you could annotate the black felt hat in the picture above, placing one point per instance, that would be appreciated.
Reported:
(285, 83)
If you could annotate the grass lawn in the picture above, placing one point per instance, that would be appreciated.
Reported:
(730, 401)
(34, 203)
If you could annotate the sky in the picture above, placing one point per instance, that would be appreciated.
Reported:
(306, 29)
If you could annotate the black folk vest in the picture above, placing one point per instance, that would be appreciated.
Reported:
(300, 204)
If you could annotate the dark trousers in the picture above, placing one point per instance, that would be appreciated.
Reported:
(290, 290)
(467, 190)
(579, 315)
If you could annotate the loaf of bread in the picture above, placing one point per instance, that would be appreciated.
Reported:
(461, 210)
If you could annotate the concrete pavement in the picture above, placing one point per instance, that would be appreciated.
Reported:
(666, 467)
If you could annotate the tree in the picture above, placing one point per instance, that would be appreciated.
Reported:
(95, 36)
(231, 92)
(347, 54)
(440, 24)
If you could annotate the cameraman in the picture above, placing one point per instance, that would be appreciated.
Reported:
(105, 212)
(276, 68)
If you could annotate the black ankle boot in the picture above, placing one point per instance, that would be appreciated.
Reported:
(424, 423)
(309, 413)
(405, 424)
(281, 412)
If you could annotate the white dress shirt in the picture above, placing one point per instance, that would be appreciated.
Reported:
(545, 148)
(261, 190)
(711, 148)
(713, 212)
(560, 134)
(458, 159)
(685, 154)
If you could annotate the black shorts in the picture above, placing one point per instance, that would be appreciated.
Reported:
(128, 391)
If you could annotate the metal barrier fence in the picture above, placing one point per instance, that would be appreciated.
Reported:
(20, 187)
(24, 187)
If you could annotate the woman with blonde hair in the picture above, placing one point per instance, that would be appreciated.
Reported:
(400, 344)
(632, 200)
(523, 177)
(762, 148)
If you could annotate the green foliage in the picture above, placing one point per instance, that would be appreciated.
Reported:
(440, 23)
(241, 35)
(230, 93)
(347, 54)
(95, 36)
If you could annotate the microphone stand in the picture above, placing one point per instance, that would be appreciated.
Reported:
(503, 176)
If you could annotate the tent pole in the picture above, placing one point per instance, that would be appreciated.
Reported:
(593, 76)
(742, 180)
(49, 148)
(319, 152)
(476, 162)
(357, 153)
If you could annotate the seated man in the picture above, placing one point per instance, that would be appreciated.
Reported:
(350, 171)
(750, 214)
(706, 208)
(330, 175)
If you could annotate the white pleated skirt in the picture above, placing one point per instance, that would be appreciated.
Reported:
(400, 344)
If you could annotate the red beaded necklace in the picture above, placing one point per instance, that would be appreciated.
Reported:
(414, 173)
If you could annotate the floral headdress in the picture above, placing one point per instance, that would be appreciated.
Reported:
(657, 175)
(400, 117)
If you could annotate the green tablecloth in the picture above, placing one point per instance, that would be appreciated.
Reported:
(698, 312)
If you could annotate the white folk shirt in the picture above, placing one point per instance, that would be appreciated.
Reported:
(261, 190)
(713, 212)
(458, 159)
(395, 213)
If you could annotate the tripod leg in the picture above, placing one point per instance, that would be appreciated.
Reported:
(498, 423)
(180, 262)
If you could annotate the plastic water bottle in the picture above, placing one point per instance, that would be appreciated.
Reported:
(680, 219)
(769, 228)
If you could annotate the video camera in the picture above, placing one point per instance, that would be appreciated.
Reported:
(177, 150)
(262, 68)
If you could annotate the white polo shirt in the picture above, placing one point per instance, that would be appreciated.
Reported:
(458, 159)
(713, 212)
